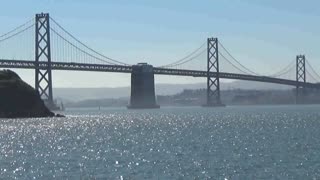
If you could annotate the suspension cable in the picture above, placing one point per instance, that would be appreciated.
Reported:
(188, 60)
(281, 74)
(184, 58)
(17, 33)
(283, 71)
(309, 74)
(313, 70)
(232, 64)
(3, 35)
(83, 51)
(236, 60)
(116, 61)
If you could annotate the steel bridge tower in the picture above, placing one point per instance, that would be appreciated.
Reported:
(213, 83)
(43, 75)
(300, 77)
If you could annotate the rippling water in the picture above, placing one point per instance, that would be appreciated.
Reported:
(266, 142)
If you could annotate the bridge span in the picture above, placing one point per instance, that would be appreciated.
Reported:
(27, 64)
(73, 55)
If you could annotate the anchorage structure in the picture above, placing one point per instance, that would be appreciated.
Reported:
(300, 77)
(43, 76)
(213, 83)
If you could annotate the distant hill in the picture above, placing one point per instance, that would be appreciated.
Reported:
(76, 94)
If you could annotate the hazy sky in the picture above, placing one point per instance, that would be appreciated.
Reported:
(263, 35)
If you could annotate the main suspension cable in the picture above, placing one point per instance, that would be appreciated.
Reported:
(17, 33)
(111, 59)
(188, 60)
(312, 69)
(236, 59)
(83, 51)
(232, 64)
(283, 71)
(184, 58)
(3, 35)
(309, 74)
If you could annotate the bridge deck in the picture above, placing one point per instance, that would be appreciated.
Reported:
(27, 64)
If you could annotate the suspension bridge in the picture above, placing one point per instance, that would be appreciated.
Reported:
(42, 44)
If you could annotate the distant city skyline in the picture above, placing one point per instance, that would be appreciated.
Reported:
(265, 36)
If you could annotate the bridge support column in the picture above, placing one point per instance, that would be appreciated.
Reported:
(43, 75)
(300, 77)
(142, 87)
(213, 83)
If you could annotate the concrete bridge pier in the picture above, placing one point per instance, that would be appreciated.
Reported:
(142, 87)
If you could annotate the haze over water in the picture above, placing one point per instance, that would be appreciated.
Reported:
(265, 142)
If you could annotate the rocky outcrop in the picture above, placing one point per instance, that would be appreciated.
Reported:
(18, 99)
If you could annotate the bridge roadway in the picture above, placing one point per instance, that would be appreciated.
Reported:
(27, 64)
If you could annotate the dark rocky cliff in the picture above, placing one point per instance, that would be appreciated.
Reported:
(18, 99)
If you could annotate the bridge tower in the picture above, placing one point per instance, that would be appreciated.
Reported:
(43, 75)
(213, 83)
(300, 77)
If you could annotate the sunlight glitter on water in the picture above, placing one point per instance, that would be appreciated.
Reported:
(199, 143)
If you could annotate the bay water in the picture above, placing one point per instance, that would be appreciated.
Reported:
(236, 142)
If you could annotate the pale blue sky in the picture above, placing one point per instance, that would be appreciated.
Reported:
(263, 35)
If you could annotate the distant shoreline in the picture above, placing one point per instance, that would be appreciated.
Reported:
(186, 98)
